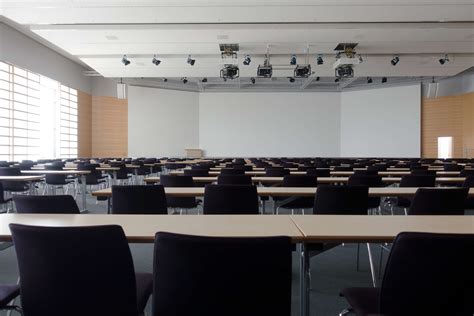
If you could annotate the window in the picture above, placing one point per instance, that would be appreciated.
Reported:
(34, 112)
(445, 147)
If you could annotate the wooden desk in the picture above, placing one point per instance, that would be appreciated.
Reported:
(142, 228)
(81, 173)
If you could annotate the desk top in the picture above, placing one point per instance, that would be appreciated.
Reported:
(364, 228)
(142, 228)
(20, 178)
(65, 172)
(281, 191)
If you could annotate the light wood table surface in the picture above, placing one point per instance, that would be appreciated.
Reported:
(142, 228)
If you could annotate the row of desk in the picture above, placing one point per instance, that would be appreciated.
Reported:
(302, 229)
(333, 173)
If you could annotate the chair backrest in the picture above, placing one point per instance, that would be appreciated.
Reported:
(466, 173)
(352, 200)
(138, 199)
(469, 182)
(46, 204)
(221, 276)
(276, 172)
(196, 172)
(365, 180)
(424, 172)
(10, 171)
(75, 271)
(232, 171)
(453, 167)
(429, 274)
(416, 181)
(445, 201)
(176, 181)
(297, 180)
(318, 172)
(343, 168)
(230, 199)
(239, 179)
(366, 172)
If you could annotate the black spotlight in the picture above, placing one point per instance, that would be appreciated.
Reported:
(125, 60)
(320, 60)
(444, 60)
(293, 60)
(185, 80)
(384, 79)
(247, 60)
(336, 80)
(252, 80)
(369, 80)
(165, 79)
(204, 80)
(395, 60)
(155, 61)
(291, 79)
(317, 78)
(190, 61)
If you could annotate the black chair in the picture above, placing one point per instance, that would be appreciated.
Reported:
(232, 171)
(5, 202)
(447, 201)
(341, 200)
(424, 172)
(196, 172)
(78, 271)
(181, 203)
(46, 204)
(366, 172)
(230, 199)
(368, 181)
(319, 173)
(453, 167)
(13, 186)
(238, 179)
(426, 274)
(211, 276)
(138, 199)
(297, 203)
(343, 168)
(466, 173)
(413, 181)
(8, 292)
(469, 183)
(56, 180)
(276, 172)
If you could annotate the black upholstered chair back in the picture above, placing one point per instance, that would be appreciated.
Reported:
(221, 276)
(239, 179)
(467, 173)
(232, 171)
(46, 204)
(366, 172)
(365, 180)
(299, 180)
(350, 200)
(424, 172)
(178, 181)
(138, 199)
(416, 181)
(196, 172)
(230, 199)
(318, 172)
(429, 274)
(447, 201)
(75, 271)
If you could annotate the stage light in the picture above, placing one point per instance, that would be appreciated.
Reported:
(252, 80)
(190, 61)
(336, 80)
(317, 78)
(165, 79)
(444, 60)
(247, 60)
(184, 80)
(125, 60)
(291, 79)
(384, 79)
(395, 60)
(155, 61)
(204, 80)
(293, 60)
(320, 60)
(369, 80)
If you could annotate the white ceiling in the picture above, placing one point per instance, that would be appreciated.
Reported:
(100, 32)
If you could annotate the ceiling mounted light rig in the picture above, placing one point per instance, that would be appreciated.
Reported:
(247, 60)
(190, 61)
(395, 60)
(125, 60)
(155, 61)
(303, 71)
(265, 70)
(346, 60)
(229, 59)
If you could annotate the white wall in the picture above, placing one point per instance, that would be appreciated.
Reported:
(162, 122)
(20, 50)
(381, 122)
(269, 124)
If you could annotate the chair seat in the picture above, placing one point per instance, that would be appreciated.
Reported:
(363, 300)
(144, 289)
(8, 293)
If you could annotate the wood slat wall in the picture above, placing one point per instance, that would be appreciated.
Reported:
(109, 127)
(448, 116)
(84, 139)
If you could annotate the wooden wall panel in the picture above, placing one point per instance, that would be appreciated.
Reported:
(447, 116)
(109, 127)
(84, 138)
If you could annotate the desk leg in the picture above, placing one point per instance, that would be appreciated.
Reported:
(109, 208)
(304, 273)
(371, 262)
(114, 177)
(84, 192)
